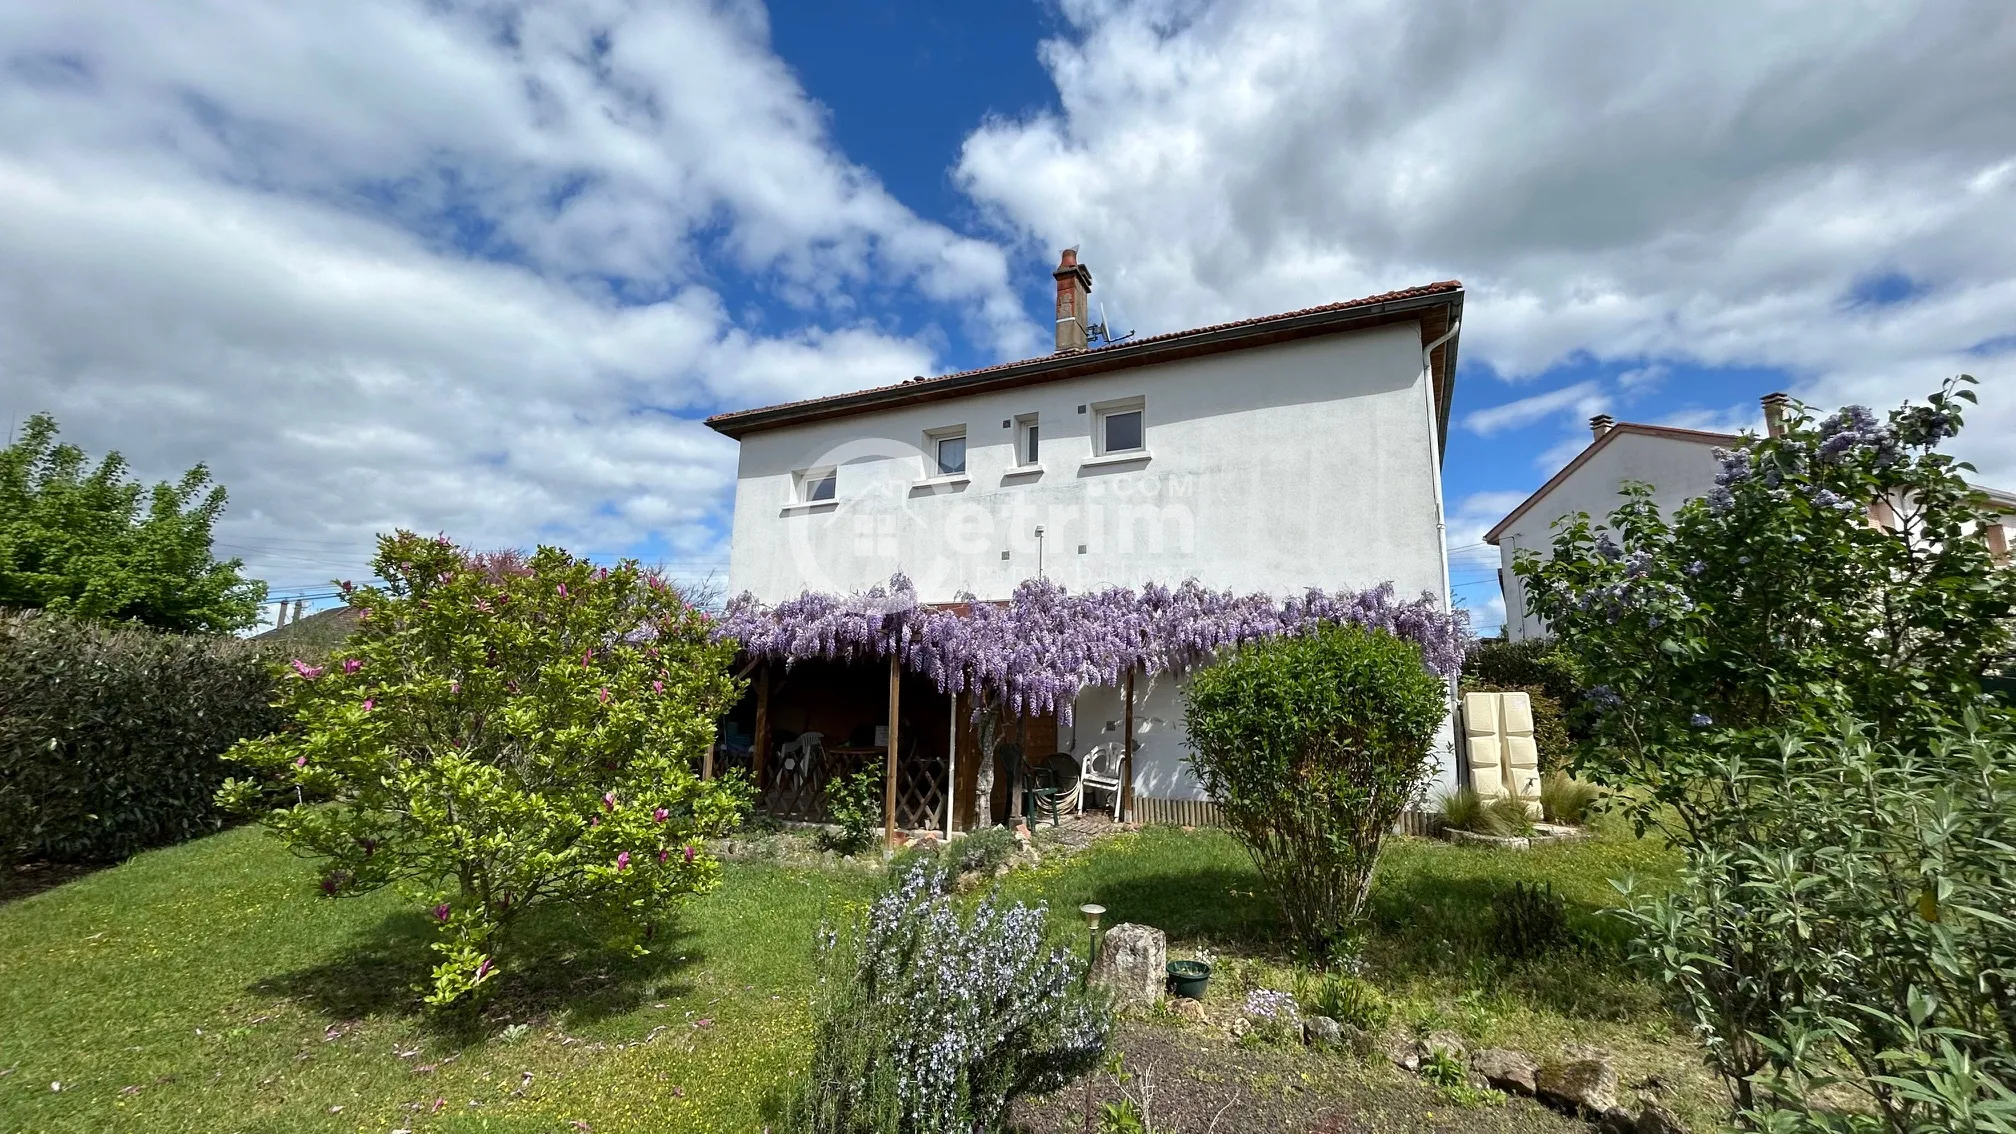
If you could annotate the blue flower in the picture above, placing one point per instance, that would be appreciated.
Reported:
(1700, 720)
(1695, 568)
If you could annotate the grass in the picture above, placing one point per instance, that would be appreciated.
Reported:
(206, 987)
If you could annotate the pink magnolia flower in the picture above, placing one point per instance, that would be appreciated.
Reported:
(623, 860)
(585, 657)
(345, 586)
(441, 912)
(300, 761)
(369, 704)
(352, 665)
(689, 852)
(562, 589)
(608, 801)
(657, 687)
(601, 573)
(443, 577)
(603, 694)
(661, 815)
(594, 820)
(482, 974)
(454, 687)
(307, 672)
(662, 856)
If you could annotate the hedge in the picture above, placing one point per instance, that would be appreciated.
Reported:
(110, 735)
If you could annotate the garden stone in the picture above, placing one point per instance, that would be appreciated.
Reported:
(1405, 1054)
(1238, 1028)
(1183, 1007)
(1501, 842)
(1584, 1084)
(1322, 1033)
(1656, 1119)
(1616, 1120)
(1510, 1071)
(1133, 963)
(1448, 1042)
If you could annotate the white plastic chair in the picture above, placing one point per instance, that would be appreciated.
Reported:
(1101, 772)
(799, 759)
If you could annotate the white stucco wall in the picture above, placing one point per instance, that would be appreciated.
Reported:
(1274, 469)
(1679, 470)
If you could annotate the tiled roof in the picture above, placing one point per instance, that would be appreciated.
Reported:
(1619, 429)
(727, 422)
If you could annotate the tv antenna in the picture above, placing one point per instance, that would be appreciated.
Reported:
(1097, 332)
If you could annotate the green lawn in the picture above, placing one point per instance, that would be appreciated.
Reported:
(206, 987)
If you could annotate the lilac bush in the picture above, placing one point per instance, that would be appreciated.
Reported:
(1035, 652)
(932, 1021)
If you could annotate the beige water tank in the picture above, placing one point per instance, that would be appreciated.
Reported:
(1498, 737)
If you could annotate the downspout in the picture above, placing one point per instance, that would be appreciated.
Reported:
(1457, 755)
(1435, 456)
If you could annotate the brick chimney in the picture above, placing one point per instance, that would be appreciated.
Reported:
(1774, 413)
(1600, 424)
(1074, 285)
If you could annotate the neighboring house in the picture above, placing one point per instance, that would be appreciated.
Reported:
(1273, 454)
(1678, 464)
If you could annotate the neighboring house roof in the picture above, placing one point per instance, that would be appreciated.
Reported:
(314, 633)
(1437, 307)
(1672, 432)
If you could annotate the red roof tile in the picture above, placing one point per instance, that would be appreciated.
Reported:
(728, 422)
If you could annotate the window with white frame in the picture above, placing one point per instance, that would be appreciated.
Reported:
(1027, 441)
(816, 486)
(947, 452)
(1118, 428)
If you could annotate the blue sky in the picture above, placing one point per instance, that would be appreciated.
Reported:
(483, 267)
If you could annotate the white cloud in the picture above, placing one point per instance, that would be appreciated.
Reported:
(1585, 398)
(455, 266)
(1698, 183)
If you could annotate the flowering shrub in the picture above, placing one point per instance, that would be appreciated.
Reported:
(1787, 678)
(1312, 746)
(1034, 653)
(1273, 1015)
(500, 735)
(1860, 923)
(933, 1022)
(109, 735)
(856, 803)
(1778, 600)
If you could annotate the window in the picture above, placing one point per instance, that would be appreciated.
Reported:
(1119, 429)
(1026, 441)
(816, 485)
(950, 452)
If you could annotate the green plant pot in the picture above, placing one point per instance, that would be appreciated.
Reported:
(1188, 978)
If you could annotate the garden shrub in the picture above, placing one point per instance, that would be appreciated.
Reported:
(1350, 1000)
(1788, 682)
(981, 851)
(503, 736)
(930, 1020)
(1496, 664)
(855, 804)
(110, 735)
(1861, 918)
(1567, 800)
(1312, 746)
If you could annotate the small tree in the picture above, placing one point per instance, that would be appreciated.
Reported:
(933, 1021)
(502, 734)
(1312, 746)
(95, 544)
(1834, 570)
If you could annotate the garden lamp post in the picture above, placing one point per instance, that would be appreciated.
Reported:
(1091, 912)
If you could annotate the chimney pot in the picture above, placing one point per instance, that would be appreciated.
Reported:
(1074, 283)
(1774, 413)
(1600, 424)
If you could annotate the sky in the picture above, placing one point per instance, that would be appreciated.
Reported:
(483, 267)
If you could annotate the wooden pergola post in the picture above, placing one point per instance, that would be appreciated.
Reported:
(707, 762)
(1127, 755)
(760, 764)
(889, 764)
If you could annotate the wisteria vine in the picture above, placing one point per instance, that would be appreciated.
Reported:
(1035, 652)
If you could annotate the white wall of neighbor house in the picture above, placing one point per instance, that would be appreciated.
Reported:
(1679, 471)
(1267, 469)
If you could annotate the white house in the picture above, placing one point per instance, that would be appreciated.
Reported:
(1679, 465)
(1272, 454)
